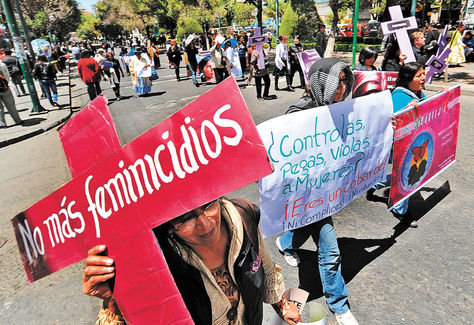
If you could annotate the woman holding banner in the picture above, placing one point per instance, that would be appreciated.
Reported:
(408, 92)
(331, 81)
(217, 257)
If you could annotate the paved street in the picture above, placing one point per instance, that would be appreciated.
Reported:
(395, 274)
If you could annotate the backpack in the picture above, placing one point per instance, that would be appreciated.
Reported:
(3, 83)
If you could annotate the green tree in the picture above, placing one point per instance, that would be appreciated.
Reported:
(188, 25)
(243, 14)
(308, 18)
(88, 27)
(289, 21)
(56, 16)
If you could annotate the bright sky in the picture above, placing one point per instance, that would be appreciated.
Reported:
(87, 4)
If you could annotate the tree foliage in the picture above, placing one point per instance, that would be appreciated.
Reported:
(57, 16)
(289, 21)
(188, 25)
(88, 27)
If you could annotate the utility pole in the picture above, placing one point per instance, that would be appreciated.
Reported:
(20, 53)
(354, 32)
(25, 29)
(413, 8)
(277, 22)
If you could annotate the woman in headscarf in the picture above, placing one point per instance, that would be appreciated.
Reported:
(140, 70)
(331, 81)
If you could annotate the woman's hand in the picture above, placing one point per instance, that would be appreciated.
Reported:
(402, 57)
(413, 103)
(394, 122)
(292, 316)
(97, 271)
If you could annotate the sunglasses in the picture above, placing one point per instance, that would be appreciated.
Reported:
(187, 221)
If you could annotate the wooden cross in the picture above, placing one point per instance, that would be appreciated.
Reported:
(400, 26)
(118, 194)
(259, 39)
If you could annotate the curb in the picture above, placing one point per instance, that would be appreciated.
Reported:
(6, 143)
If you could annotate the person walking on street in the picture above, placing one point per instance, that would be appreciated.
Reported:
(321, 40)
(140, 66)
(6, 98)
(88, 70)
(260, 74)
(296, 48)
(242, 48)
(218, 61)
(331, 81)
(192, 51)
(282, 63)
(174, 56)
(15, 73)
(112, 70)
(46, 74)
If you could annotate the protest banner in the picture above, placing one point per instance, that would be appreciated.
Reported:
(424, 143)
(306, 59)
(323, 159)
(368, 82)
(189, 159)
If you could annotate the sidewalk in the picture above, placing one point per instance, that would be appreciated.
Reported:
(38, 123)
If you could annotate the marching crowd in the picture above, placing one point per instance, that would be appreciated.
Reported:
(206, 247)
(189, 241)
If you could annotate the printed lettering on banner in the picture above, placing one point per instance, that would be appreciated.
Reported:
(185, 161)
(323, 159)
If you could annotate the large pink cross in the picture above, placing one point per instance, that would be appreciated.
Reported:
(207, 149)
(259, 39)
(400, 26)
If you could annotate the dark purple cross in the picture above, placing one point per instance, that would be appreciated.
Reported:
(437, 64)
(259, 39)
(442, 41)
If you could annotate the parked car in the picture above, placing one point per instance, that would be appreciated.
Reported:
(374, 28)
(362, 30)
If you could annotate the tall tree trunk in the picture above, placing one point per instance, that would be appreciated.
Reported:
(259, 15)
(333, 4)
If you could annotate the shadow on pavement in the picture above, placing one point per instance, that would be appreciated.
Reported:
(357, 253)
(33, 121)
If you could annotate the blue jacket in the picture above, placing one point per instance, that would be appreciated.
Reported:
(402, 96)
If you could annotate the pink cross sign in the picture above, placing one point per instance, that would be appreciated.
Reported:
(119, 193)
(259, 39)
(400, 26)
(437, 64)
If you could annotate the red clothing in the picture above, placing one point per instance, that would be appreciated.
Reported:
(88, 69)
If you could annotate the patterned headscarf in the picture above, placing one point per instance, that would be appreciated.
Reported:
(324, 80)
